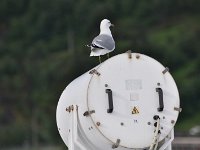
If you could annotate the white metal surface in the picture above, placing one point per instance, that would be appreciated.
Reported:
(133, 82)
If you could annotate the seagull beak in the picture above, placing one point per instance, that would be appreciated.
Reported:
(112, 25)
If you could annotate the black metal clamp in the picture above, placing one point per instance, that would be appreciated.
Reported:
(110, 100)
(161, 103)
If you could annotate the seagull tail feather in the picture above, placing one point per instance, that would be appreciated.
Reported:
(88, 45)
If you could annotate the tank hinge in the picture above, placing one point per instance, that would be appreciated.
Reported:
(70, 108)
(94, 71)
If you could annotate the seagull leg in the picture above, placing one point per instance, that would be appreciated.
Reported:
(99, 59)
(108, 55)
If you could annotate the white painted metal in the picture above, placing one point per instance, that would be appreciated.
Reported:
(133, 82)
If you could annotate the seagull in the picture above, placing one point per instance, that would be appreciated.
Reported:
(104, 42)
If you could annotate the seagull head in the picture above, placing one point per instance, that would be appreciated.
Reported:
(105, 27)
(105, 23)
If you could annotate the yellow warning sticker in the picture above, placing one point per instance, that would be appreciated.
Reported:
(135, 110)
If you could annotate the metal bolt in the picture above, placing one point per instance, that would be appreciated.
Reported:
(122, 123)
(137, 56)
(149, 123)
(98, 123)
(158, 84)
(68, 109)
(106, 85)
(172, 121)
(156, 117)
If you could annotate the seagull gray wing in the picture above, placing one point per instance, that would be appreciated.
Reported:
(104, 41)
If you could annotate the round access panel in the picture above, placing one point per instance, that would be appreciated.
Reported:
(130, 84)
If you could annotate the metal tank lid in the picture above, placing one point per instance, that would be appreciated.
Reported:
(126, 93)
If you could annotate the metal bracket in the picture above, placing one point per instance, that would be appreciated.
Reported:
(87, 113)
(116, 144)
(166, 70)
(129, 54)
(177, 109)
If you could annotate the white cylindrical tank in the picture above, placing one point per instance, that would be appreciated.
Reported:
(130, 101)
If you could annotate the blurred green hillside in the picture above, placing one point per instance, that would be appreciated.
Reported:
(42, 49)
